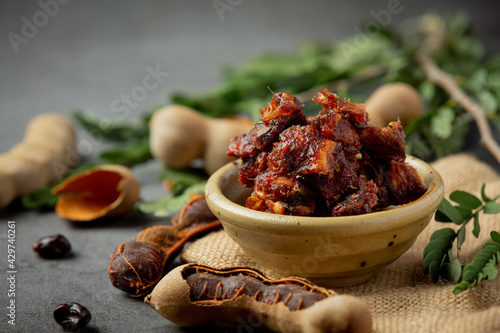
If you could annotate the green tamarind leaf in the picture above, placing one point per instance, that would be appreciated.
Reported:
(482, 267)
(460, 237)
(461, 286)
(483, 194)
(451, 211)
(465, 199)
(445, 233)
(477, 227)
(441, 217)
(436, 253)
(434, 271)
(455, 272)
(434, 256)
(492, 207)
(495, 236)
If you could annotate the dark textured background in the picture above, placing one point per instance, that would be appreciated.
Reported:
(87, 55)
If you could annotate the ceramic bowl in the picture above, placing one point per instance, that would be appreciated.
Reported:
(331, 251)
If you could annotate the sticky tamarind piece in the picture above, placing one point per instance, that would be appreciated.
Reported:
(193, 295)
(135, 267)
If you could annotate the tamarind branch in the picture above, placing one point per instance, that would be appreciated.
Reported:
(446, 81)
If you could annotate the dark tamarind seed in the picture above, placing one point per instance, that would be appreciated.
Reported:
(52, 247)
(73, 317)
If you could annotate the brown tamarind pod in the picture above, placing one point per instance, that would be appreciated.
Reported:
(135, 267)
(193, 295)
(394, 101)
(46, 153)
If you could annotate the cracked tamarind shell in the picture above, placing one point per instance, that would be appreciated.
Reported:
(103, 191)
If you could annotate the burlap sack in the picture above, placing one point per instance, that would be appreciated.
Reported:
(400, 297)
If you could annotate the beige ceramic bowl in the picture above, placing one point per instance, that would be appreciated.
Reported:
(331, 251)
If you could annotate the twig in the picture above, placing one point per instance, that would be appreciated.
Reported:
(443, 79)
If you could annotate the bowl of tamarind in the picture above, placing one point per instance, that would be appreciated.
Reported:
(330, 198)
(332, 251)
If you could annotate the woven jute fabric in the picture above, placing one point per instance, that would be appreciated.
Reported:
(400, 297)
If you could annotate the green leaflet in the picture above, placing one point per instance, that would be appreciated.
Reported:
(465, 199)
(170, 204)
(133, 137)
(442, 123)
(182, 184)
(41, 199)
(178, 180)
(453, 213)
(438, 260)
(113, 130)
(132, 153)
(482, 266)
(438, 252)
(492, 208)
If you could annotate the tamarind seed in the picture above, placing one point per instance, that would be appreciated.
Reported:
(73, 317)
(52, 247)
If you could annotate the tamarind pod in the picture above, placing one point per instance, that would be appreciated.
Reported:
(46, 153)
(180, 134)
(193, 295)
(37, 154)
(26, 175)
(53, 133)
(7, 190)
(220, 132)
(135, 267)
(177, 135)
(51, 127)
(194, 211)
(193, 219)
(394, 101)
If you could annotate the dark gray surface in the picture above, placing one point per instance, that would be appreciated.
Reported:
(88, 54)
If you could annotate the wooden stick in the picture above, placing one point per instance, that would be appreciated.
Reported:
(446, 81)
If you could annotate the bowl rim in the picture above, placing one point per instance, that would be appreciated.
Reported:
(396, 217)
